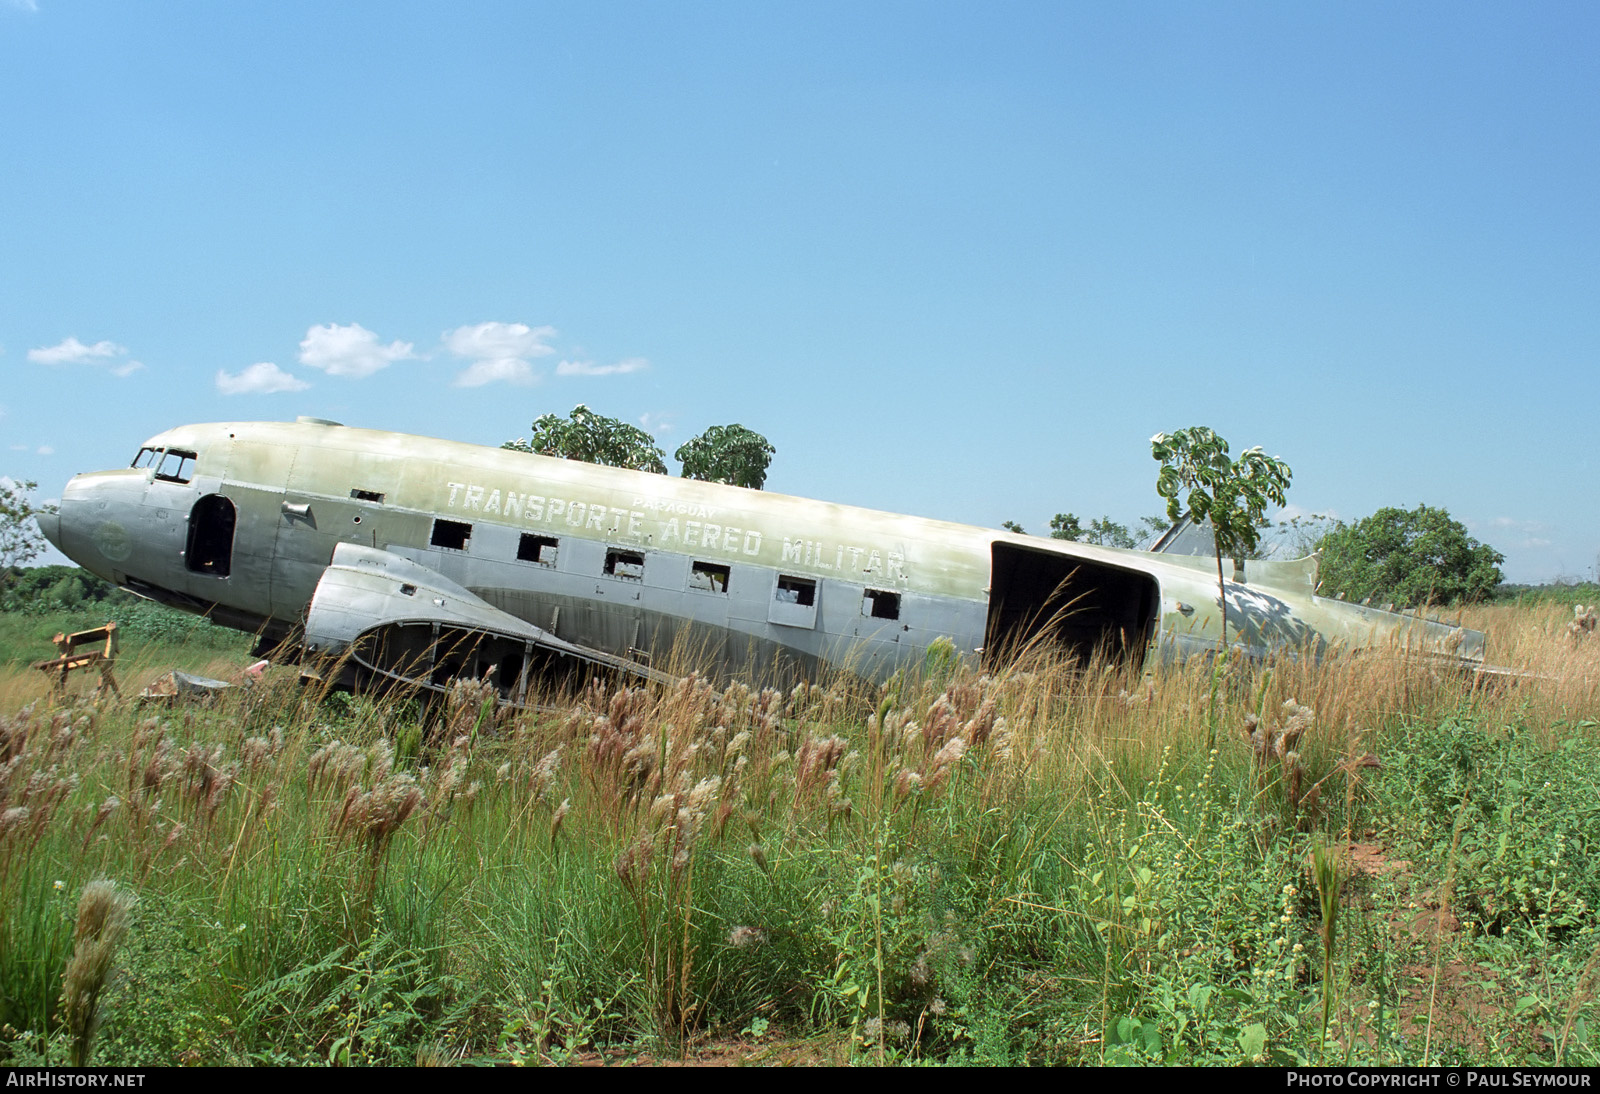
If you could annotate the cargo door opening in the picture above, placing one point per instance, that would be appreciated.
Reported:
(1074, 604)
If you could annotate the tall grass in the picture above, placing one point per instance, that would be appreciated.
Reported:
(1057, 862)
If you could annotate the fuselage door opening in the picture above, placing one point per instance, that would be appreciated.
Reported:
(209, 549)
(1077, 604)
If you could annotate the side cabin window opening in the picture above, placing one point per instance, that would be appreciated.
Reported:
(628, 565)
(794, 602)
(880, 604)
(176, 466)
(709, 577)
(210, 546)
(796, 590)
(368, 495)
(451, 534)
(540, 549)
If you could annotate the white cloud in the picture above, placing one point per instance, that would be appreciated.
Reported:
(1518, 524)
(262, 378)
(70, 351)
(46, 450)
(498, 340)
(23, 5)
(351, 351)
(589, 368)
(498, 352)
(19, 448)
(512, 370)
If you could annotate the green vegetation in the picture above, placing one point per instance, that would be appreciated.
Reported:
(1105, 532)
(1199, 476)
(20, 538)
(43, 601)
(1102, 532)
(1373, 865)
(729, 454)
(1583, 592)
(593, 438)
(1409, 558)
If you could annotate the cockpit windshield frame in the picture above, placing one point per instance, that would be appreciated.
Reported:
(170, 464)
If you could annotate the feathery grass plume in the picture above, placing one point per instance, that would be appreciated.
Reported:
(334, 767)
(14, 733)
(30, 807)
(160, 765)
(13, 819)
(814, 764)
(943, 762)
(375, 815)
(102, 921)
(257, 752)
(541, 780)
(1276, 746)
(746, 938)
(67, 728)
(1583, 622)
(207, 778)
(559, 816)
(473, 707)
(105, 810)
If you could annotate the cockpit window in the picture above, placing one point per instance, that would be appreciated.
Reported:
(176, 466)
(146, 457)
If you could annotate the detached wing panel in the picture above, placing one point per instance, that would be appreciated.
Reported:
(405, 621)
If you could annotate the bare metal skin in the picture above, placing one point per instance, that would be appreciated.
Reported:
(426, 560)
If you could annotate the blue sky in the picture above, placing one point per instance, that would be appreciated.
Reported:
(956, 260)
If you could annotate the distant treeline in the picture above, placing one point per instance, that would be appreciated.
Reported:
(75, 592)
(40, 589)
(1582, 592)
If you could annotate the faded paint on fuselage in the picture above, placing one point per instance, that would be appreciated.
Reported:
(300, 489)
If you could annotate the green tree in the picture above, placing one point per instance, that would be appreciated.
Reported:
(1103, 532)
(1154, 527)
(727, 453)
(1408, 558)
(1197, 474)
(1066, 526)
(1013, 526)
(1108, 533)
(593, 438)
(21, 541)
(1299, 536)
(49, 588)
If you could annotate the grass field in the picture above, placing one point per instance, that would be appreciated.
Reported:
(1363, 861)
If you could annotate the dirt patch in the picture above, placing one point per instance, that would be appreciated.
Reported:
(1372, 859)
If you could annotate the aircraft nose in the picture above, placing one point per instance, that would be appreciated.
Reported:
(85, 526)
(50, 524)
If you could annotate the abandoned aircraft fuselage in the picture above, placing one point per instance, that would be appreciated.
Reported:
(382, 544)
